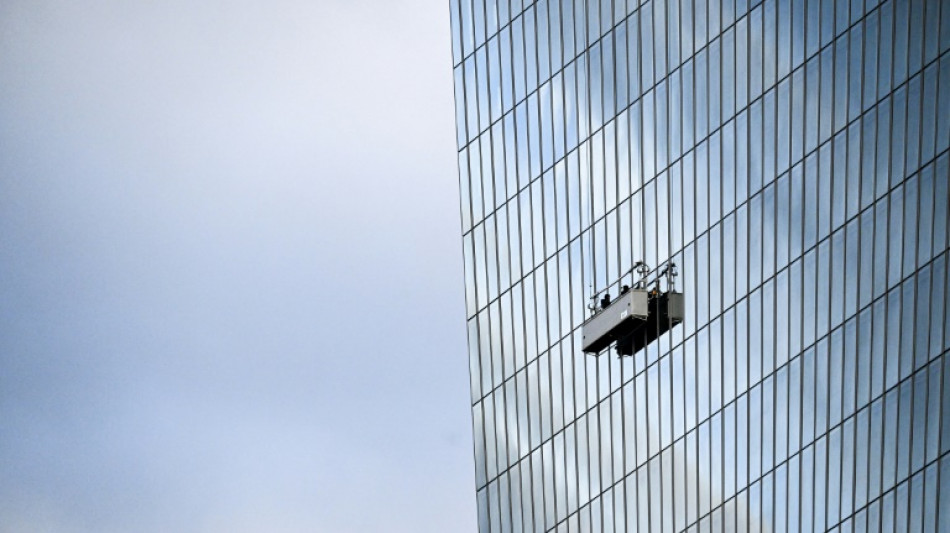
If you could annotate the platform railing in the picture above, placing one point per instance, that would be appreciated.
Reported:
(640, 277)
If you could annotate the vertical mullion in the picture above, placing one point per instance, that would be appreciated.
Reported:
(623, 403)
(562, 272)
(574, 385)
(771, 181)
(530, 458)
(670, 200)
(656, 522)
(590, 228)
(720, 312)
(886, 197)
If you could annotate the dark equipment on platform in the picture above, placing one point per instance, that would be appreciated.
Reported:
(637, 317)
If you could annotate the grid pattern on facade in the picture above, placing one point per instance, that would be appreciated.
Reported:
(792, 158)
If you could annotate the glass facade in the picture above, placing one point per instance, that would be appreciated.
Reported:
(792, 158)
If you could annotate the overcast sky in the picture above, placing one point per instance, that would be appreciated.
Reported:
(231, 288)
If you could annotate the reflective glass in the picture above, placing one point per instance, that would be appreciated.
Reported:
(791, 158)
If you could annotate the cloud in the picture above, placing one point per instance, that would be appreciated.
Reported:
(230, 269)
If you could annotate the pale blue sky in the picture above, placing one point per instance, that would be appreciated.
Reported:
(230, 272)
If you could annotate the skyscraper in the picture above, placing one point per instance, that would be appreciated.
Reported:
(791, 157)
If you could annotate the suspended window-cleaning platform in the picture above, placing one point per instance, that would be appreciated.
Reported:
(638, 315)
